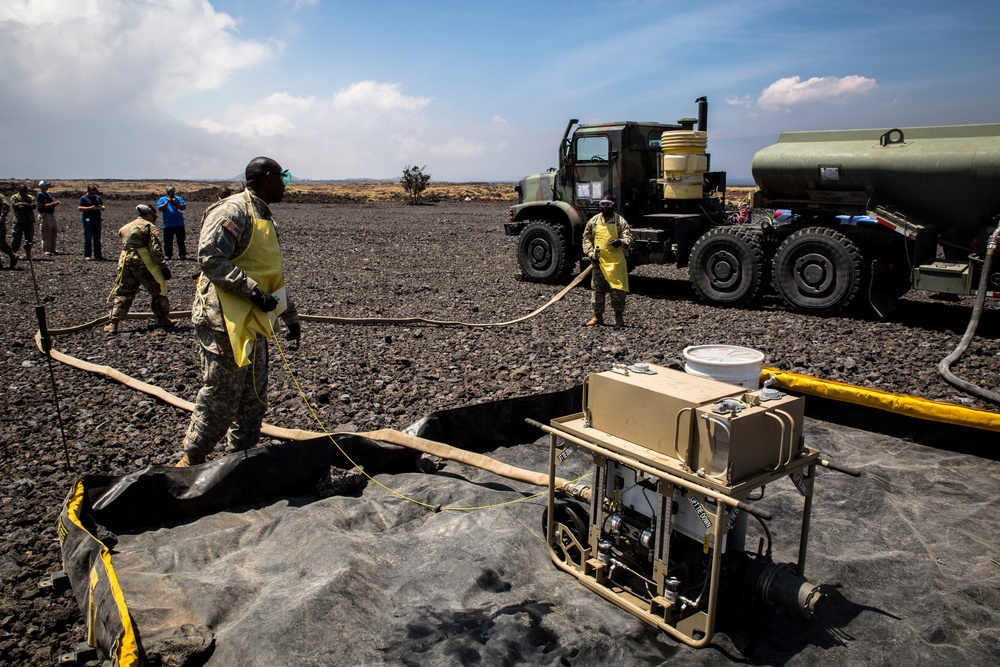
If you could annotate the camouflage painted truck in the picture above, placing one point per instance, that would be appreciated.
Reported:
(874, 212)
(670, 199)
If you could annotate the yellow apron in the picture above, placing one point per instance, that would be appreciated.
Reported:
(152, 266)
(612, 259)
(261, 261)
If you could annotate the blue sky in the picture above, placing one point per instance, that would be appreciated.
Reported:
(192, 89)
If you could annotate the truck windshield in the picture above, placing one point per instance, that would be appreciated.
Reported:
(592, 149)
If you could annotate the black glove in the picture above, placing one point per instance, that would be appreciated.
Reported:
(165, 270)
(294, 332)
(615, 243)
(594, 260)
(263, 300)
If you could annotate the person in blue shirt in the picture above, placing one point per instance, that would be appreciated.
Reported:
(91, 208)
(172, 209)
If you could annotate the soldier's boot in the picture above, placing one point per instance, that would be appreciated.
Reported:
(189, 460)
(165, 322)
(112, 327)
(595, 320)
(619, 320)
(13, 260)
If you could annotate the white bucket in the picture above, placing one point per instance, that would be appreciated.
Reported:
(725, 363)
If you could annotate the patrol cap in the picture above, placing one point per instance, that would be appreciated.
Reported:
(144, 209)
(42, 184)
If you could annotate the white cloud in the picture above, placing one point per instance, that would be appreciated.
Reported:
(98, 75)
(498, 119)
(792, 91)
(299, 4)
(449, 148)
(369, 96)
(745, 101)
(96, 49)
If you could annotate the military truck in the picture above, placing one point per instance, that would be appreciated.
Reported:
(669, 199)
(872, 212)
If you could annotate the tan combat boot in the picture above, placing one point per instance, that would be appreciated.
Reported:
(595, 320)
(188, 460)
(619, 320)
(112, 328)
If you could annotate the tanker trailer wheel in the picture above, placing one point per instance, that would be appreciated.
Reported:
(727, 267)
(817, 270)
(543, 253)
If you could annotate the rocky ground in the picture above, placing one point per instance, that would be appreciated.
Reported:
(448, 261)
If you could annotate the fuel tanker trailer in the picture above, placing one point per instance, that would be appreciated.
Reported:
(875, 212)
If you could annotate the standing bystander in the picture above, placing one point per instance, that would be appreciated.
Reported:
(24, 220)
(172, 207)
(234, 313)
(91, 208)
(46, 205)
(4, 210)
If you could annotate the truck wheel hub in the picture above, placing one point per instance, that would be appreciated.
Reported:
(724, 269)
(813, 273)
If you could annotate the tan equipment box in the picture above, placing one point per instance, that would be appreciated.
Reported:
(730, 441)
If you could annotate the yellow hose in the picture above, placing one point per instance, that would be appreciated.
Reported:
(882, 400)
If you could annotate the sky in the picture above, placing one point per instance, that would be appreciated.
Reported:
(470, 90)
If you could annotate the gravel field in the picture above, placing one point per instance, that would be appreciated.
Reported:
(449, 261)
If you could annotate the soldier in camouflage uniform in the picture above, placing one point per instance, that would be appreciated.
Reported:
(24, 219)
(234, 312)
(605, 238)
(141, 264)
(4, 210)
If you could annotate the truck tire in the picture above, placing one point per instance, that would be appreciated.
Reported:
(727, 267)
(817, 270)
(544, 253)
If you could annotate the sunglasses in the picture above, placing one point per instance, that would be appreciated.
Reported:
(286, 176)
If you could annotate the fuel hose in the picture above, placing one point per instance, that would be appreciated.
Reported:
(944, 368)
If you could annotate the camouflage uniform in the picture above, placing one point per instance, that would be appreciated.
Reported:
(24, 220)
(599, 285)
(233, 399)
(4, 210)
(133, 273)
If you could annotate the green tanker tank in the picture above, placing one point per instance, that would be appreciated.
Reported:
(929, 196)
(949, 175)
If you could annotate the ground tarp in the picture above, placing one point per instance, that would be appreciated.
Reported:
(239, 562)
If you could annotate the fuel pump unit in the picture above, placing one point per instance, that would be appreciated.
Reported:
(677, 458)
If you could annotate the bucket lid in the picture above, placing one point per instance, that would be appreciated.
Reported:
(723, 355)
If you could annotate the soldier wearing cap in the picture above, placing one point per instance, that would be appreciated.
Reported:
(605, 238)
(234, 312)
(46, 205)
(23, 204)
(141, 264)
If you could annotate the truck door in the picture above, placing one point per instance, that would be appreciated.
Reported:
(592, 173)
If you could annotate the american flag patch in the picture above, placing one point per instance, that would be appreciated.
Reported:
(232, 228)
